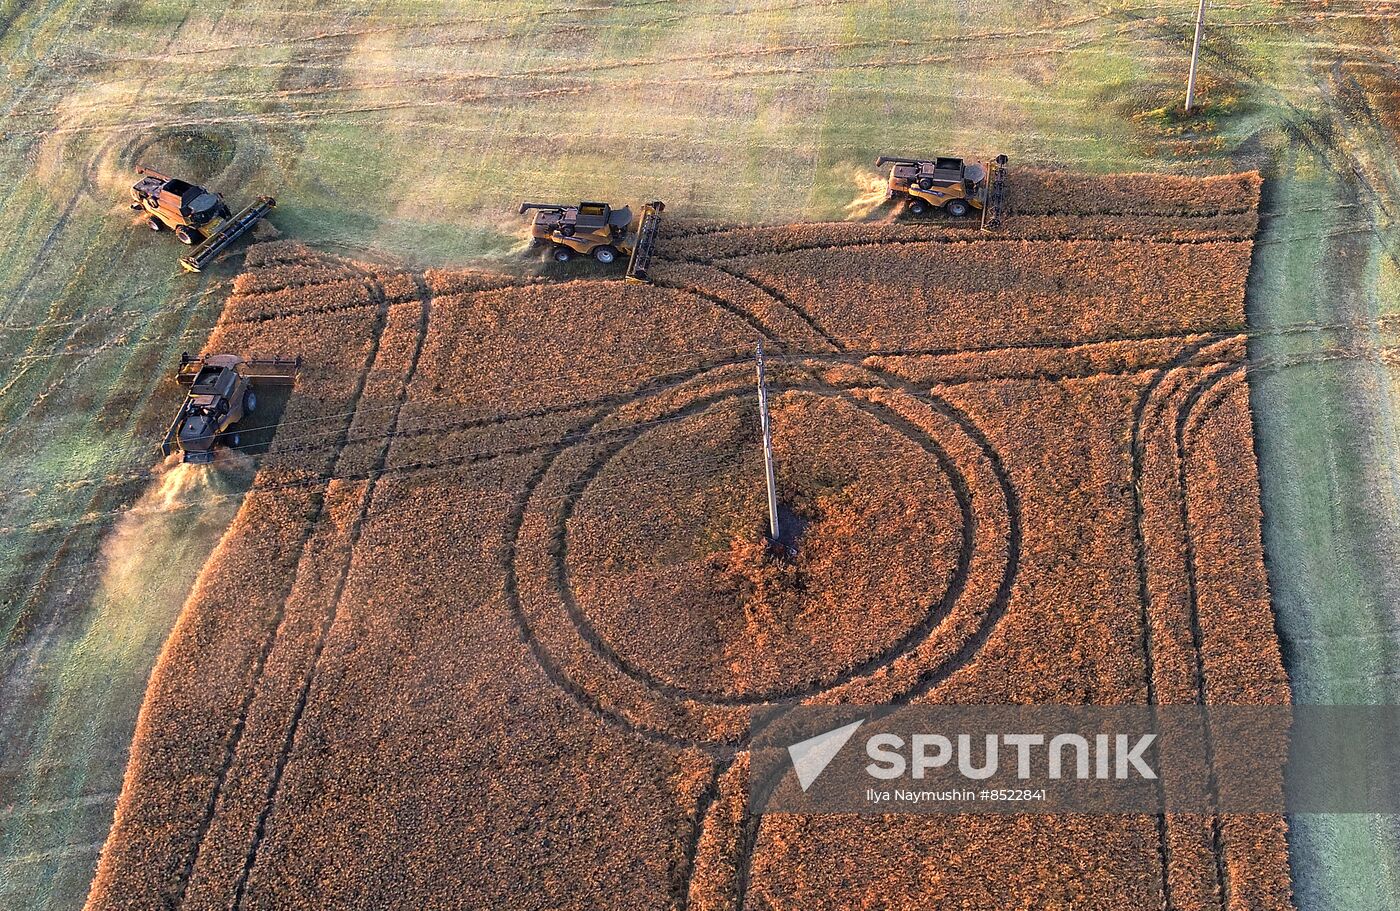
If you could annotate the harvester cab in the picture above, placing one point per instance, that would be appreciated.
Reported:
(222, 394)
(199, 218)
(598, 230)
(951, 184)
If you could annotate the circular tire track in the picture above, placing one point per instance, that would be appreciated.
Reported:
(646, 689)
(804, 689)
(726, 750)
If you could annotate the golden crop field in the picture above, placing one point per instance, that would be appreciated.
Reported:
(506, 521)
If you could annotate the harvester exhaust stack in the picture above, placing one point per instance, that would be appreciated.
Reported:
(228, 233)
(647, 231)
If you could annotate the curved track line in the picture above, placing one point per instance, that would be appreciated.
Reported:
(776, 295)
(1137, 444)
(1184, 411)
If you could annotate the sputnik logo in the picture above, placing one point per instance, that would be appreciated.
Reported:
(810, 757)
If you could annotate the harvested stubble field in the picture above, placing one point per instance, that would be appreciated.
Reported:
(488, 626)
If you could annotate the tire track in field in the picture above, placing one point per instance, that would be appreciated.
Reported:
(1193, 415)
(729, 307)
(926, 681)
(235, 734)
(342, 578)
(946, 223)
(515, 521)
(590, 702)
(777, 296)
(1183, 415)
(1137, 440)
(477, 456)
(55, 556)
(690, 844)
(253, 319)
(1390, 354)
(969, 236)
(726, 756)
(1188, 411)
(304, 443)
(1146, 646)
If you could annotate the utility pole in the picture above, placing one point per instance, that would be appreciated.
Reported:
(1195, 56)
(767, 447)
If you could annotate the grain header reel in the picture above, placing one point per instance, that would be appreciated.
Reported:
(951, 184)
(199, 218)
(598, 230)
(223, 392)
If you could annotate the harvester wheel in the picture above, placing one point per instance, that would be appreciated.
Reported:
(604, 254)
(567, 230)
(926, 183)
(186, 236)
(957, 208)
(917, 207)
(563, 254)
(153, 223)
(250, 402)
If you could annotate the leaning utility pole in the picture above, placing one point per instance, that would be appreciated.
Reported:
(1195, 56)
(767, 447)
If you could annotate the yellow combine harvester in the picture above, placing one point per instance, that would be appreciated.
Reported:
(199, 218)
(951, 184)
(598, 230)
(221, 396)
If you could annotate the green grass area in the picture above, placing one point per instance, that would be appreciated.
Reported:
(1326, 440)
(410, 131)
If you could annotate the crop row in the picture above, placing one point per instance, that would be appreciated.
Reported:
(1047, 206)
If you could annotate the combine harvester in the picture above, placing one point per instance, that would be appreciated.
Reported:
(598, 230)
(950, 184)
(199, 218)
(221, 394)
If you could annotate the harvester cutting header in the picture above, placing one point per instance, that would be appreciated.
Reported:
(199, 218)
(950, 184)
(598, 230)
